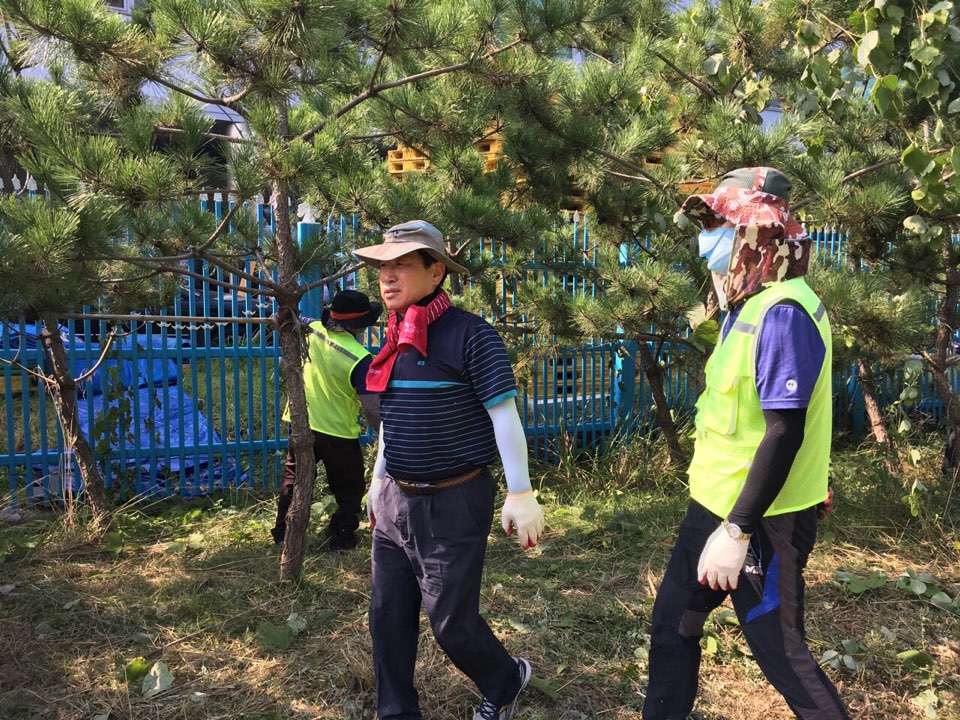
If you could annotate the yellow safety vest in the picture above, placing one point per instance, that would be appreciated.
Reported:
(332, 402)
(730, 423)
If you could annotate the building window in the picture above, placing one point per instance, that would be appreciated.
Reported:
(123, 6)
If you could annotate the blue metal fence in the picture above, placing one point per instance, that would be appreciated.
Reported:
(192, 404)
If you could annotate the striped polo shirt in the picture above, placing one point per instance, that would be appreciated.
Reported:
(434, 411)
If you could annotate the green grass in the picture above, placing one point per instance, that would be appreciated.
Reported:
(579, 607)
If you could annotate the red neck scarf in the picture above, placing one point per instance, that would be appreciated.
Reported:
(403, 334)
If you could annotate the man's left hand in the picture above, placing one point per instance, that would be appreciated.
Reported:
(523, 511)
(721, 560)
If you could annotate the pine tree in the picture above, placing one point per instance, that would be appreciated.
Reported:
(66, 247)
(322, 88)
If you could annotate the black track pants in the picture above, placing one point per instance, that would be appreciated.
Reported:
(768, 602)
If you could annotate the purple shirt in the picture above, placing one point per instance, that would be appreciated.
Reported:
(790, 354)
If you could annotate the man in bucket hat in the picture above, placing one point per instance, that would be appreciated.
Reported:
(334, 379)
(761, 454)
(448, 408)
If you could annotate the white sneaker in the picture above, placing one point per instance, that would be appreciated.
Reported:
(488, 710)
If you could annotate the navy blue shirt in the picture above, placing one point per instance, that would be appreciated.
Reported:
(434, 411)
(790, 353)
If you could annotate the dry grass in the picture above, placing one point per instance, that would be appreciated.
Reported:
(578, 608)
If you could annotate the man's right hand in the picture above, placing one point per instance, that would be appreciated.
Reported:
(373, 501)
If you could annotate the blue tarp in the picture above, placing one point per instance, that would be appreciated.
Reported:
(171, 434)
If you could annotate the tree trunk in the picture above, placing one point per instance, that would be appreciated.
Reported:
(946, 322)
(868, 383)
(64, 393)
(654, 376)
(301, 437)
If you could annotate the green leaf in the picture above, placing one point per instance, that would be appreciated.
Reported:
(195, 541)
(917, 160)
(851, 647)
(706, 333)
(916, 224)
(850, 662)
(275, 637)
(296, 623)
(175, 547)
(917, 587)
(915, 658)
(857, 584)
(927, 701)
(928, 87)
(157, 680)
(715, 65)
(710, 645)
(894, 12)
(141, 638)
(955, 159)
(926, 54)
(954, 106)
(544, 686)
(113, 541)
(868, 44)
(136, 669)
(944, 601)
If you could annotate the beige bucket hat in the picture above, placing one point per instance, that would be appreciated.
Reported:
(405, 238)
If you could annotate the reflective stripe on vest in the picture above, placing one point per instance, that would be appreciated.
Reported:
(332, 402)
(730, 423)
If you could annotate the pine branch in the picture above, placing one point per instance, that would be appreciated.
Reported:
(131, 61)
(224, 223)
(376, 89)
(330, 278)
(209, 136)
(699, 84)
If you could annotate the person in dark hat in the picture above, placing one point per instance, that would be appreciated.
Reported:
(761, 455)
(334, 379)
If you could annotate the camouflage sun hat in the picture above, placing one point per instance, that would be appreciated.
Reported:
(756, 196)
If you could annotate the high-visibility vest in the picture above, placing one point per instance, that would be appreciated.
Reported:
(730, 423)
(332, 403)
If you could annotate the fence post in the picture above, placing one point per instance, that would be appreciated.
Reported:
(312, 302)
(624, 386)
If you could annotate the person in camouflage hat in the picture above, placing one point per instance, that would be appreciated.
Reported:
(761, 454)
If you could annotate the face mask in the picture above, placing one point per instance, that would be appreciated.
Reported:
(716, 246)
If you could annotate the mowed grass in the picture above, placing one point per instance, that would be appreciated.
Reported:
(191, 585)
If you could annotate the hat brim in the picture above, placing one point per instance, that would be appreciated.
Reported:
(368, 320)
(744, 207)
(376, 254)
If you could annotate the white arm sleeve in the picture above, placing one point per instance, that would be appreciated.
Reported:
(380, 465)
(512, 444)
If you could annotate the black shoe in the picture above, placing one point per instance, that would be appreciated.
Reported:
(489, 710)
(278, 533)
(341, 541)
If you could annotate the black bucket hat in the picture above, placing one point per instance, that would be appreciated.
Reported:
(351, 310)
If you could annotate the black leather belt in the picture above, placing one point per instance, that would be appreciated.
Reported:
(429, 488)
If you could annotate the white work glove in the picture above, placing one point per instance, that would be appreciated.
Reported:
(722, 560)
(373, 494)
(373, 501)
(523, 511)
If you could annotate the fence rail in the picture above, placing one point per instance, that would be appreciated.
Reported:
(189, 398)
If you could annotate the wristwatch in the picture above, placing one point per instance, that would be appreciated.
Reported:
(734, 532)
